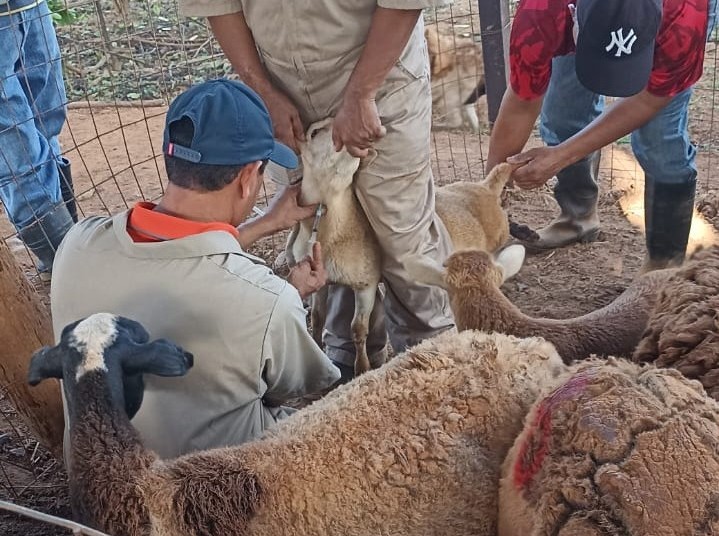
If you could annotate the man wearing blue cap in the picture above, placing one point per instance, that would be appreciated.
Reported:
(365, 63)
(564, 57)
(181, 269)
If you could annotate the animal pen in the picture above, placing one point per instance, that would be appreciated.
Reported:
(122, 66)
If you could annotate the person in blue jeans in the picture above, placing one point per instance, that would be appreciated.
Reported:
(35, 180)
(564, 58)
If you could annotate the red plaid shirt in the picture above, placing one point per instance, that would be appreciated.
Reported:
(542, 29)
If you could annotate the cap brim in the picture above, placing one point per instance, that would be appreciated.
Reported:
(283, 156)
(614, 77)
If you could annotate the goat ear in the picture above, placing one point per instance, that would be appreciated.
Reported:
(510, 260)
(160, 357)
(45, 363)
(425, 270)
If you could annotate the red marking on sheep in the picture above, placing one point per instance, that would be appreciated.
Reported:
(536, 445)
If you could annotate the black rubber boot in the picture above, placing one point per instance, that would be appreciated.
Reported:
(43, 237)
(668, 210)
(66, 187)
(576, 193)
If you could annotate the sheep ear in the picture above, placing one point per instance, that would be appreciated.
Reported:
(498, 177)
(160, 357)
(510, 260)
(45, 363)
(425, 270)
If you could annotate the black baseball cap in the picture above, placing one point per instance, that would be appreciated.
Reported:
(615, 44)
(232, 126)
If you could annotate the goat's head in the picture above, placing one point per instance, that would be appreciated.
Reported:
(113, 346)
(324, 170)
(441, 51)
(468, 269)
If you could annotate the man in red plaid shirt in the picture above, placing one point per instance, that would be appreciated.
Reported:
(565, 56)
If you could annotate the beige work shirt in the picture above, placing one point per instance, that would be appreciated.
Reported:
(245, 326)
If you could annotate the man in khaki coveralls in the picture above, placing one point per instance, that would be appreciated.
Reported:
(180, 268)
(364, 62)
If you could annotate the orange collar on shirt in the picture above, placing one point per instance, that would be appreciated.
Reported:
(147, 225)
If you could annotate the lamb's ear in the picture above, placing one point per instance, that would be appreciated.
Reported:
(498, 177)
(160, 357)
(425, 270)
(510, 260)
(45, 363)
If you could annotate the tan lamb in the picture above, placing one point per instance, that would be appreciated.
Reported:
(472, 213)
(615, 450)
(473, 279)
(411, 449)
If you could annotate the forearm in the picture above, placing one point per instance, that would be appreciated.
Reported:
(238, 44)
(623, 117)
(388, 35)
(512, 128)
(255, 229)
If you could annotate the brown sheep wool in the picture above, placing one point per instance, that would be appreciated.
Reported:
(616, 449)
(683, 329)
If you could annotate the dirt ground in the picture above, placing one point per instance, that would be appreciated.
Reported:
(114, 164)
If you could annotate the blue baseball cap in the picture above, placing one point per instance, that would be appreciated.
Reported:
(615, 45)
(232, 126)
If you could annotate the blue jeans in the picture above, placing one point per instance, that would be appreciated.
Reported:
(662, 146)
(32, 114)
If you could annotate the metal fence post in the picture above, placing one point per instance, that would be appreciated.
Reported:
(494, 25)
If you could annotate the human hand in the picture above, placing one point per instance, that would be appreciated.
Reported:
(285, 119)
(309, 275)
(356, 126)
(537, 166)
(285, 210)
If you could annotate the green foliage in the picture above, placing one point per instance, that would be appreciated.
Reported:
(61, 14)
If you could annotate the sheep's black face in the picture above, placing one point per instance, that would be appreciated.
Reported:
(116, 349)
(471, 269)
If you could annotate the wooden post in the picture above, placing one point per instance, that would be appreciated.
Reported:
(25, 327)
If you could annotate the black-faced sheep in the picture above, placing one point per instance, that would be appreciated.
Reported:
(413, 448)
(683, 328)
(471, 212)
(472, 278)
(615, 450)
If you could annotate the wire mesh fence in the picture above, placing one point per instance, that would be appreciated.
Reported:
(123, 63)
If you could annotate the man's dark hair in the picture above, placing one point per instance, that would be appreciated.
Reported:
(200, 177)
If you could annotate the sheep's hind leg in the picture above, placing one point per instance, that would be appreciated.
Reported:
(364, 303)
(319, 314)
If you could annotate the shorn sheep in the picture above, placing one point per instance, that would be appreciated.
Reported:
(413, 448)
(615, 450)
(473, 278)
(472, 213)
(683, 328)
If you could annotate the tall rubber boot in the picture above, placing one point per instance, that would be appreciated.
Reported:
(668, 210)
(43, 237)
(576, 193)
(66, 187)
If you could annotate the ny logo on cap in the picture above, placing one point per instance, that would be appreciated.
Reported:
(624, 44)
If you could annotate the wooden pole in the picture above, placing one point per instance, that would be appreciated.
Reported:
(25, 327)
(495, 28)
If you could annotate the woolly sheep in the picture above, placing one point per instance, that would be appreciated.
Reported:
(413, 448)
(471, 212)
(472, 278)
(615, 450)
(683, 328)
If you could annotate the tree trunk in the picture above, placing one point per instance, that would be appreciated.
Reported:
(25, 327)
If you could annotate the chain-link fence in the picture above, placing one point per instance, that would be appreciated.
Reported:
(121, 66)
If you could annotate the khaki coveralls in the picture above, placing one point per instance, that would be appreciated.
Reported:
(309, 48)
